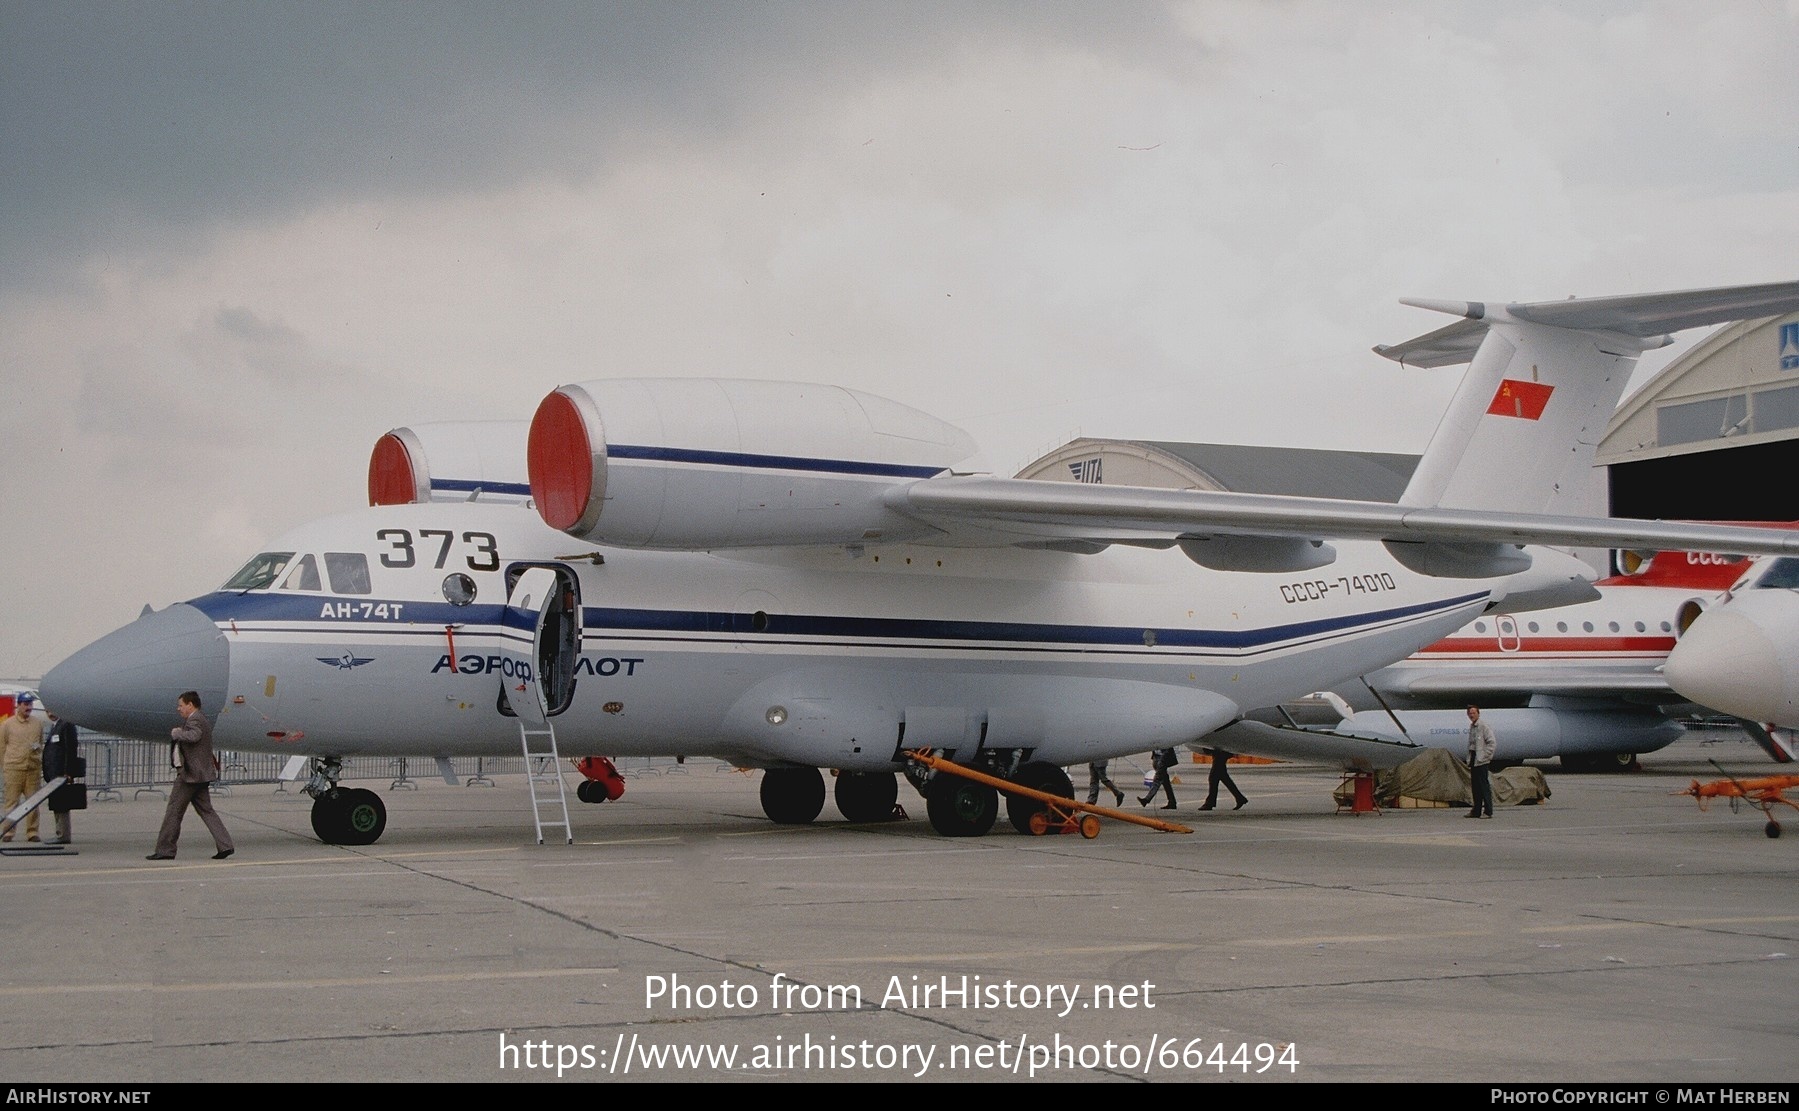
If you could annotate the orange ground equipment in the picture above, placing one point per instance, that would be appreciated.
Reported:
(1763, 793)
(1059, 815)
(600, 781)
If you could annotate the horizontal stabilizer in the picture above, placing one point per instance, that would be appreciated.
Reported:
(1653, 314)
(1644, 315)
(1449, 345)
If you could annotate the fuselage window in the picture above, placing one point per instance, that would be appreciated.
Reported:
(304, 576)
(1561, 626)
(459, 589)
(348, 572)
(1480, 626)
(1587, 626)
(1533, 626)
(1640, 628)
(259, 572)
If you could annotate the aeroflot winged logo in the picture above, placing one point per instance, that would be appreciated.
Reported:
(344, 662)
(1517, 398)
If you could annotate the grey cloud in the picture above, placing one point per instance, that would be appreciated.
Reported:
(125, 119)
(240, 323)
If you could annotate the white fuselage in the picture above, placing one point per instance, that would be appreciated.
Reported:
(1611, 646)
(828, 657)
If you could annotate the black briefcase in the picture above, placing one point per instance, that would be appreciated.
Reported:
(69, 796)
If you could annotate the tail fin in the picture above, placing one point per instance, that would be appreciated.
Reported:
(1544, 380)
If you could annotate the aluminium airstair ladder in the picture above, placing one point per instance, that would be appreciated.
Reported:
(543, 766)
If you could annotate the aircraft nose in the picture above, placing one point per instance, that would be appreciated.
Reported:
(127, 682)
(1731, 659)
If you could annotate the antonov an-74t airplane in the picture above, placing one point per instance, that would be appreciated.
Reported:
(793, 577)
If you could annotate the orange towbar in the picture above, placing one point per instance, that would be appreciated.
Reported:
(1059, 815)
(1763, 793)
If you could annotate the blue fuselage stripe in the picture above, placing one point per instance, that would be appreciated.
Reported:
(767, 462)
(469, 486)
(322, 614)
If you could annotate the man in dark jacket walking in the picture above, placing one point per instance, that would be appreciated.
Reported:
(62, 756)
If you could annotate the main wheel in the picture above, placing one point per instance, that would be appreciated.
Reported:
(1773, 828)
(1038, 775)
(793, 796)
(365, 817)
(866, 796)
(961, 807)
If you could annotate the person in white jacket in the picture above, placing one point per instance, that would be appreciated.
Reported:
(1481, 746)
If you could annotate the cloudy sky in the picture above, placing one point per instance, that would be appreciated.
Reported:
(239, 241)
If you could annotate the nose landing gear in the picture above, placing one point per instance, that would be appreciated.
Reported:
(343, 815)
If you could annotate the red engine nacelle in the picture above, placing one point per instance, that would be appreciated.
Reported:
(450, 461)
(707, 463)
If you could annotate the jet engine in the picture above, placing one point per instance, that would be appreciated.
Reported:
(1688, 613)
(695, 464)
(450, 461)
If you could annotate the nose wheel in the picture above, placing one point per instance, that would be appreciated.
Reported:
(349, 816)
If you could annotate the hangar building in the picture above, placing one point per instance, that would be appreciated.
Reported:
(1715, 435)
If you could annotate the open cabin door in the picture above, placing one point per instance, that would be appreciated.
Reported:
(537, 653)
(532, 608)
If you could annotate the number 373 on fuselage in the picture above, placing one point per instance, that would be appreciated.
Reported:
(794, 577)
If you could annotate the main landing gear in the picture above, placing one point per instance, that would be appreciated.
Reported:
(962, 807)
(796, 796)
(343, 815)
(964, 799)
(793, 796)
(957, 806)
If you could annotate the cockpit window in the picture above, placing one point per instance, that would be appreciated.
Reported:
(259, 572)
(304, 576)
(348, 572)
(1784, 575)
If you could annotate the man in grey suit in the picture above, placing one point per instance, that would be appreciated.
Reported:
(190, 752)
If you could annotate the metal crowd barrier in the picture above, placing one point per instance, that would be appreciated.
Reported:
(116, 765)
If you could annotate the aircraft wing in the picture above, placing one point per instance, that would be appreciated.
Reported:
(1568, 681)
(1036, 510)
